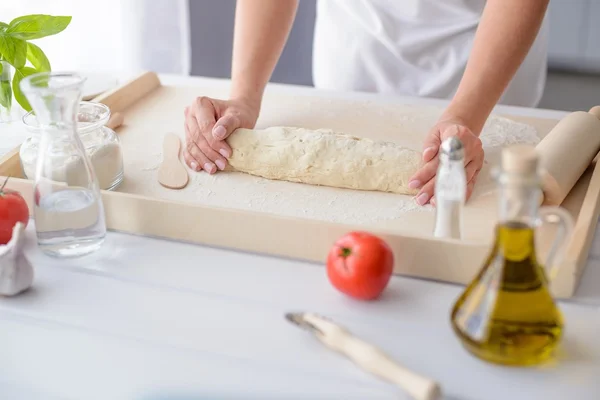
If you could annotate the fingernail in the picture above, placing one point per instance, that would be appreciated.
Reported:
(220, 164)
(422, 199)
(194, 166)
(208, 167)
(224, 153)
(414, 184)
(432, 201)
(220, 132)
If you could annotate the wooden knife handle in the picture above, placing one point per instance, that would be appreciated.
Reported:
(373, 360)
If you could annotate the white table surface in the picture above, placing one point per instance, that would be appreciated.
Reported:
(147, 319)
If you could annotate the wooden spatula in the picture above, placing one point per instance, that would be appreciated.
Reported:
(172, 174)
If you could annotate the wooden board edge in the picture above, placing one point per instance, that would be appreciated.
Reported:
(576, 255)
(121, 97)
(127, 94)
(304, 239)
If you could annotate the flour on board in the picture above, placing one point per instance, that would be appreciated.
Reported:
(245, 192)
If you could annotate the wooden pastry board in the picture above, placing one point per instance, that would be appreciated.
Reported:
(153, 109)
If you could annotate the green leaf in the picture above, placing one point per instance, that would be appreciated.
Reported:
(36, 26)
(3, 26)
(13, 50)
(37, 58)
(19, 96)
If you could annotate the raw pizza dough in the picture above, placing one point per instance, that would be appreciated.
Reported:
(323, 157)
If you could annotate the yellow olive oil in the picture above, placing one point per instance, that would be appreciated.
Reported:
(507, 314)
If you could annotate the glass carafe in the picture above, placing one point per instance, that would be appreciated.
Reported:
(507, 314)
(68, 210)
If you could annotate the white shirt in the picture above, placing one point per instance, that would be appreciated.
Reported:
(410, 47)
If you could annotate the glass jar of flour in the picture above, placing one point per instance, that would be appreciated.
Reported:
(101, 143)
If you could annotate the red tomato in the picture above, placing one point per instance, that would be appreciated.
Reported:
(360, 265)
(13, 209)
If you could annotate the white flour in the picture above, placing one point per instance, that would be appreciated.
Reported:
(106, 159)
(142, 154)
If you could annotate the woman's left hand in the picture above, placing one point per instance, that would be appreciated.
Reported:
(424, 178)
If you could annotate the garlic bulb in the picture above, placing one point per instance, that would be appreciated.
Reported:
(16, 273)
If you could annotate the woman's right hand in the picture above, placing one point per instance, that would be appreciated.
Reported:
(208, 122)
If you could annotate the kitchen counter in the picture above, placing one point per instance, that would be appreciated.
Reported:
(146, 319)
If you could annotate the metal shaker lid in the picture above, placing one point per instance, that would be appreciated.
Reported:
(453, 149)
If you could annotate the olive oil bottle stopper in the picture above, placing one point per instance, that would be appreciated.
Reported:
(520, 159)
(450, 189)
(519, 170)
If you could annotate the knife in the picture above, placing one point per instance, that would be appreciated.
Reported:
(367, 356)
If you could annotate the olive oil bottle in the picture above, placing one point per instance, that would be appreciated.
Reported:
(507, 314)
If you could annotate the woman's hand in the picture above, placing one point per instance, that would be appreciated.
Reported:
(505, 35)
(208, 122)
(424, 178)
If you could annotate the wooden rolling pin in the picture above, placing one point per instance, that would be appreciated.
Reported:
(567, 151)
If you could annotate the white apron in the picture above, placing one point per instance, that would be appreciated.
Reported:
(410, 47)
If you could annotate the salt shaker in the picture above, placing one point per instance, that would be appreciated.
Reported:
(450, 189)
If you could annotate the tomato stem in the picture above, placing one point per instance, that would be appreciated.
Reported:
(4, 185)
(346, 252)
